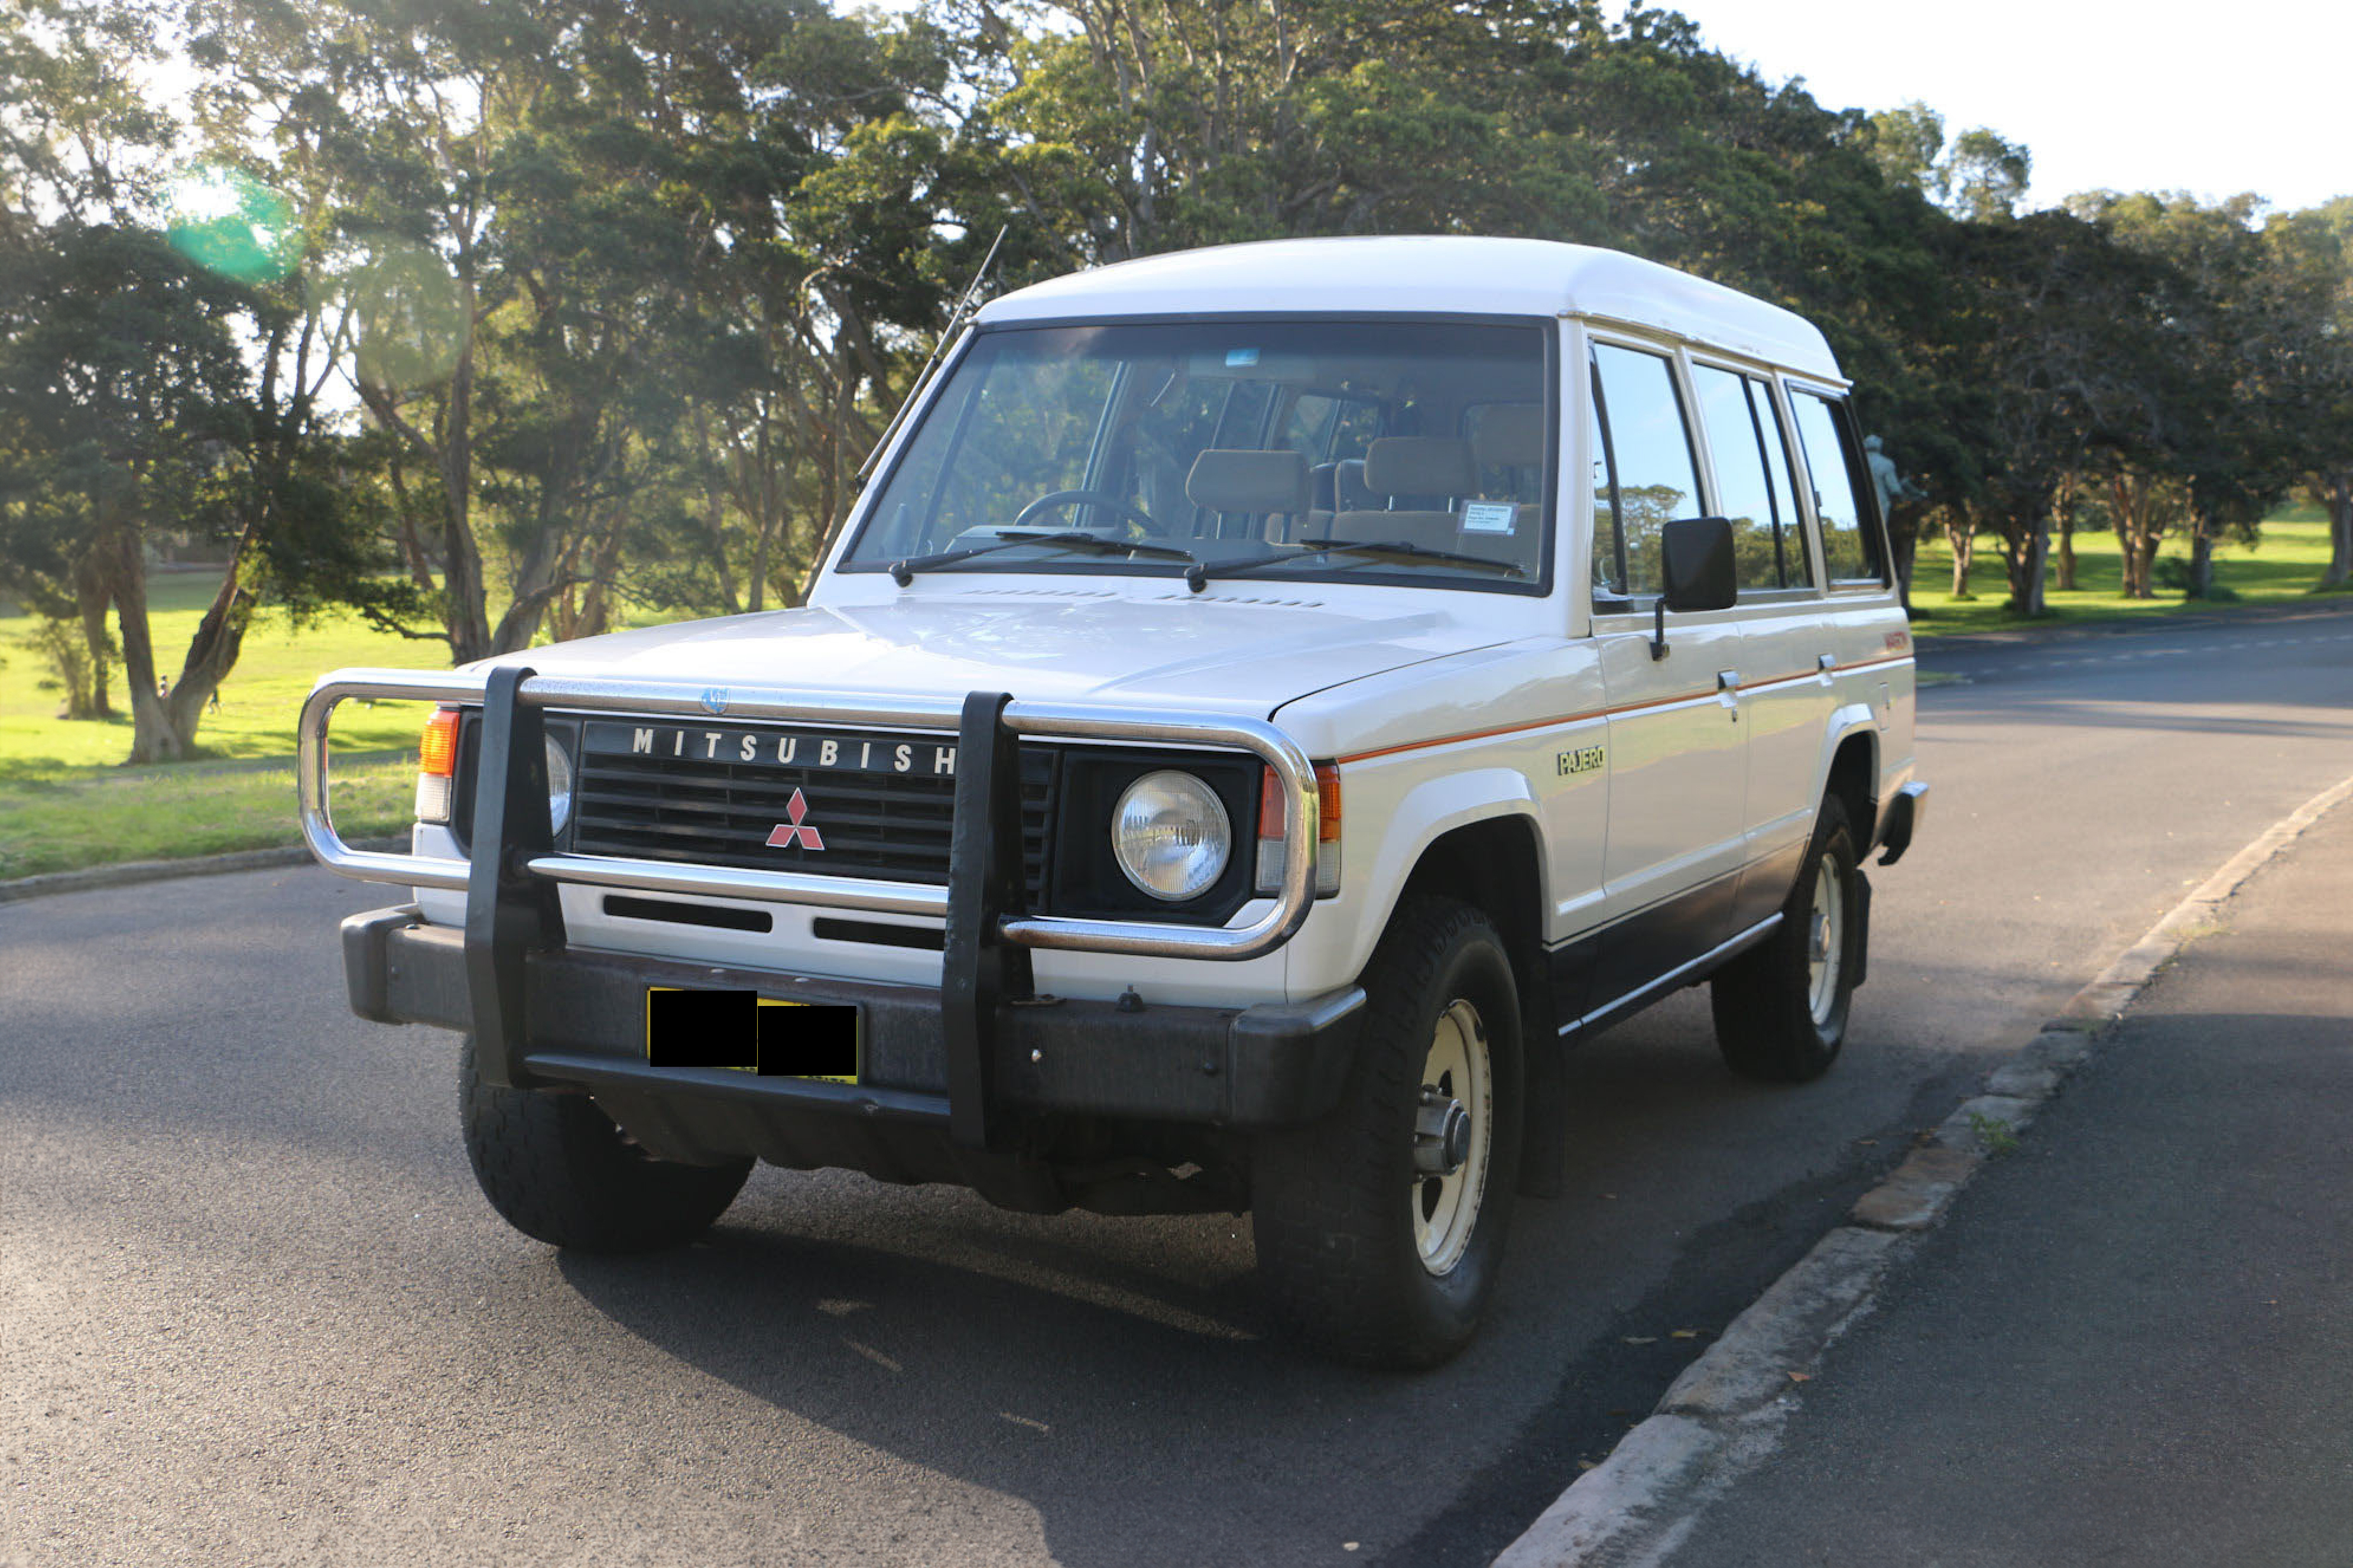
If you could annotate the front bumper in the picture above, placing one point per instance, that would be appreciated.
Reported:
(976, 1055)
(1239, 1069)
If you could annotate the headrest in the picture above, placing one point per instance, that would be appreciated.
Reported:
(1234, 479)
(1419, 466)
(1349, 491)
(1510, 436)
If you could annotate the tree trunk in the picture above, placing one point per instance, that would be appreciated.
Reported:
(466, 609)
(2064, 515)
(152, 738)
(90, 598)
(211, 652)
(2026, 548)
(1963, 538)
(2339, 488)
(2201, 561)
(2140, 561)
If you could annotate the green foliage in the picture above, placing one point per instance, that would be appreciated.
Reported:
(627, 288)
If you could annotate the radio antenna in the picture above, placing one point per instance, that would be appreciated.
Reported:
(964, 306)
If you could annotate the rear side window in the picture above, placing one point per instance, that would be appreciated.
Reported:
(1648, 469)
(1767, 539)
(1850, 545)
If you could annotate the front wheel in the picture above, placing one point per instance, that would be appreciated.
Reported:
(1380, 1229)
(1781, 1008)
(558, 1170)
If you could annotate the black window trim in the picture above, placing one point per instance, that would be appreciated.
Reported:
(1673, 354)
(863, 515)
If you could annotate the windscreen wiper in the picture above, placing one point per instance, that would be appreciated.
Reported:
(1199, 575)
(903, 571)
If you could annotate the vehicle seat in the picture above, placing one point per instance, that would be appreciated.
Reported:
(1251, 484)
(1422, 477)
(1509, 449)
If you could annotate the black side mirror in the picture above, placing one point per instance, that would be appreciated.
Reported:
(1695, 558)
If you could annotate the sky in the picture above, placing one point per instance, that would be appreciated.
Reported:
(2158, 96)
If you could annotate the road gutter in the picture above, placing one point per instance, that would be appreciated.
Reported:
(1725, 1416)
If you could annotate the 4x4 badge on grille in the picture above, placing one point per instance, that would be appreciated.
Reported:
(787, 833)
(715, 700)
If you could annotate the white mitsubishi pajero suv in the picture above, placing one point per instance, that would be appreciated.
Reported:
(1270, 703)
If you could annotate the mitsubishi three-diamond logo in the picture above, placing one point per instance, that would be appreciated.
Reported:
(795, 831)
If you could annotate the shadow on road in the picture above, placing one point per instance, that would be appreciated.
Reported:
(1114, 1375)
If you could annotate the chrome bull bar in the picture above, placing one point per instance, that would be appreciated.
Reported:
(1294, 898)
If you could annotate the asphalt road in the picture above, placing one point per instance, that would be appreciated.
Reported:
(2127, 1346)
(252, 1308)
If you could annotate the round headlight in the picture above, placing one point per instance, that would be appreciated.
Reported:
(1170, 836)
(559, 787)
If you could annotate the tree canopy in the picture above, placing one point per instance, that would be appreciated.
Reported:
(488, 318)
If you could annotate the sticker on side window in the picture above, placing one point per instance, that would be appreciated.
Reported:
(1489, 516)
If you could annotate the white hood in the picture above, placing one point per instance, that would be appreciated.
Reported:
(1215, 652)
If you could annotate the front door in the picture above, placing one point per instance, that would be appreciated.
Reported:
(1678, 751)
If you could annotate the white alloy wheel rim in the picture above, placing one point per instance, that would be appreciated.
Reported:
(1446, 1208)
(1825, 942)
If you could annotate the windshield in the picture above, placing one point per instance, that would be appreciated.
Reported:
(1257, 445)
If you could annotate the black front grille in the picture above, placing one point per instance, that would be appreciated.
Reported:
(707, 795)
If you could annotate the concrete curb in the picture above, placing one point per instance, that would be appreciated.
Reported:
(130, 871)
(1723, 1417)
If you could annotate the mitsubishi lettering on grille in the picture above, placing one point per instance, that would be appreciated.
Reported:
(789, 833)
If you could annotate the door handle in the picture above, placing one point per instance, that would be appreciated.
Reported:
(1727, 692)
(1827, 663)
(1727, 680)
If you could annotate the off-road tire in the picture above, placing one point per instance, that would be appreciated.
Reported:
(1766, 1024)
(559, 1171)
(1331, 1202)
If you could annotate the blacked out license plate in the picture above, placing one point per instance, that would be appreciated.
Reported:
(746, 1032)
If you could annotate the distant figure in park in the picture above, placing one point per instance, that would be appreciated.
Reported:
(1891, 486)
(212, 703)
(163, 686)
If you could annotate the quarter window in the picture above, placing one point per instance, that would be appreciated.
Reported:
(1847, 548)
(1652, 475)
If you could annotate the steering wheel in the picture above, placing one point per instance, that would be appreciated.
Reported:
(1053, 499)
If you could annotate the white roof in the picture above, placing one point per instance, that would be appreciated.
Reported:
(1449, 274)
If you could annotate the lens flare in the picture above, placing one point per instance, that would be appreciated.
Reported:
(410, 316)
(227, 222)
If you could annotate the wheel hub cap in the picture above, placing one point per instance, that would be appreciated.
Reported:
(1453, 1135)
(1825, 942)
(1441, 1134)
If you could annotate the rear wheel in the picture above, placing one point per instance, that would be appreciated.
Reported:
(1781, 1008)
(558, 1170)
(1380, 1229)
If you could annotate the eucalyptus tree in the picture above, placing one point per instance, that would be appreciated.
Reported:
(121, 380)
(2236, 383)
(2313, 250)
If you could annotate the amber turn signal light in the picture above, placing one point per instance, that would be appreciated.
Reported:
(1327, 803)
(437, 754)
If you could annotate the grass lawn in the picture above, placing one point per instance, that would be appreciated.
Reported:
(65, 801)
(2281, 566)
(258, 702)
(77, 816)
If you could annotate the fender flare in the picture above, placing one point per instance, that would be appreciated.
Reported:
(1848, 721)
(1430, 811)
